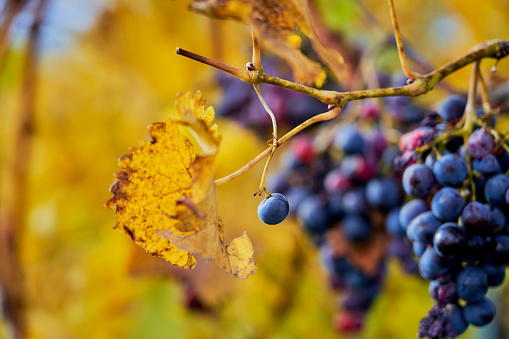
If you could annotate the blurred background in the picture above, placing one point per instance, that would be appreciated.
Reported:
(80, 80)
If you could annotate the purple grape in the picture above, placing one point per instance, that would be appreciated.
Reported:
(450, 170)
(274, 209)
(479, 313)
(420, 137)
(418, 180)
(410, 210)
(447, 204)
(480, 143)
(472, 284)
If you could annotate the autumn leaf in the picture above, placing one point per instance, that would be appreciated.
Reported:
(165, 194)
(275, 23)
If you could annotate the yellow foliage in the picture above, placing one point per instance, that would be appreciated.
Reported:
(274, 23)
(165, 194)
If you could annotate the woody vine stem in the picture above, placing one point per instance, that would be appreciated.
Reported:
(417, 85)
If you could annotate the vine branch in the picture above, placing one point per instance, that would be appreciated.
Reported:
(422, 84)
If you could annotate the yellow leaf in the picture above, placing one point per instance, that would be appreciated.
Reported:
(165, 194)
(274, 23)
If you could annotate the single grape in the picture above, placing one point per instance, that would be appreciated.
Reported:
(495, 273)
(337, 181)
(418, 180)
(487, 165)
(447, 204)
(273, 209)
(479, 313)
(313, 214)
(495, 189)
(480, 143)
(476, 218)
(384, 193)
(355, 228)
(450, 170)
(472, 283)
(392, 223)
(497, 219)
(420, 137)
(449, 240)
(354, 201)
(419, 248)
(423, 227)
(452, 108)
(349, 140)
(431, 264)
(302, 147)
(410, 210)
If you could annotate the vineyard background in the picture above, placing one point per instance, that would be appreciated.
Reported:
(107, 69)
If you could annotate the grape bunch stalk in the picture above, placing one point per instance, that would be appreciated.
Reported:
(347, 193)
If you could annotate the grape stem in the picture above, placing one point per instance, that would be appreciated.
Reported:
(405, 66)
(320, 117)
(471, 117)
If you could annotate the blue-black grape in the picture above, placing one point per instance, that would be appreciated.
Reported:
(273, 209)
(495, 273)
(410, 210)
(313, 215)
(472, 283)
(450, 170)
(431, 264)
(447, 204)
(495, 189)
(355, 228)
(349, 140)
(423, 227)
(479, 313)
(449, 240)
(452, 108)
(418, 180)
(476, 218)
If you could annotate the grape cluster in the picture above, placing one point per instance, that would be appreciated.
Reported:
(348, 199)
(459, 220)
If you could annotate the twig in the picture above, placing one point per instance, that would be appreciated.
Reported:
(399, 42)
(12, 9)
(13, 214)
